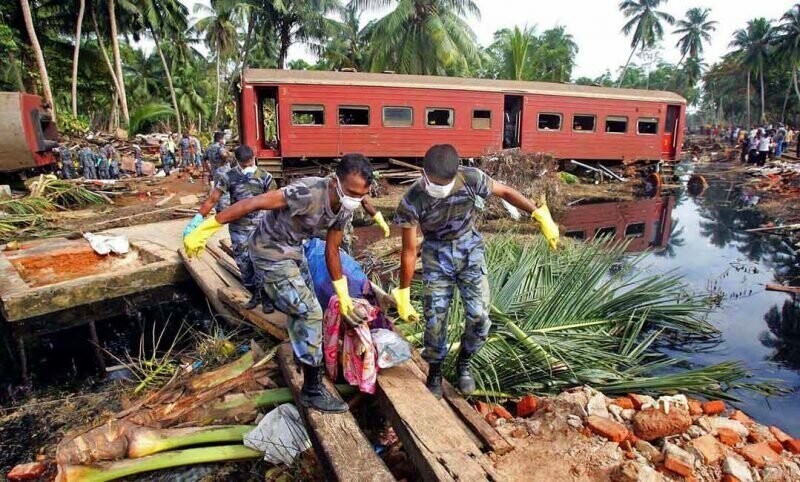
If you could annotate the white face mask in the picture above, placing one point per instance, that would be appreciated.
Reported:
(349, 203)
(436, 190)
(249, 169)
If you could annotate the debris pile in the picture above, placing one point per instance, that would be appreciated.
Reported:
(777, 177)
(639, 438)
(533, 174)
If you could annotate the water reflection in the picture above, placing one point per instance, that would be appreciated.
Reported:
(783, 336)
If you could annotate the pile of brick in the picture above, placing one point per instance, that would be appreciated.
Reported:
(672, 438)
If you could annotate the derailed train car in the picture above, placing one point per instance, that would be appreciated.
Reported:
(290, 116)
(27, 132)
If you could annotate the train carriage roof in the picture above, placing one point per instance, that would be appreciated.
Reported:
(316, 77)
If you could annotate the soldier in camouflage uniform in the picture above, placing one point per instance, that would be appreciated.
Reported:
(67, 168)
(102, 164)
(185, 147)
(87, 159)
(242, 182)
(165, 158)
(216, 162)
(137, 160)
(444, 204)
(293, 214)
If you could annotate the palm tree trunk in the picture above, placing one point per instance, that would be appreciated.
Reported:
(37, 50)
(245, 52)
(786, 100)
(749, 119)
(123, 97)
(75, 59)
(169, 78)
(105, 53)
(285, 41)
(216, 103)
(794, 80)
(763, 113)
(625, 69)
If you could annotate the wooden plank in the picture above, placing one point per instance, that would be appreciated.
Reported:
(273, 324)
(209, 280)
(784, 289)
(432, 436)
(405, 164)
(341, 447)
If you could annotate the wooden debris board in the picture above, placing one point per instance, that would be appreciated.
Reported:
(343, 450)
(273, 324)
(431, 434)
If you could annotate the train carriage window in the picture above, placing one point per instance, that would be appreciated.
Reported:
(647, 126)
(608, 231)
(635, 230)
(353, 115)
(617, 125)
(580, 235)
(583, 123)
(308, 115)
(481, 119)
(549, 122)
(435, 117)
(398, 116)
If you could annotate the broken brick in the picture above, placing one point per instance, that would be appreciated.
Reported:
(483, 408)
(632, 438)
(527, 406)
(519, 432)
(728, 437)
(776, 446)
(714, 407)
(501, 412)
(741, 417)
(639, 400)
(792, 446)
(695, 408)
(678, 460)
(729, 478)
(758, 455)
(653, 423)
(616, 432)
(624, 402)
(31, 471)
(779, 435)
(709, 448)
(491, 419)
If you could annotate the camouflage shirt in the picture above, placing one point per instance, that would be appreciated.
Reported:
(184, 144)
(281, 232)
(215, 155)
(86, 155)
(448, 218)
(243, 186)
(66, 155)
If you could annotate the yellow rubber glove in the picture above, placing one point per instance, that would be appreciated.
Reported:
(402, 296)
(345, 302)
(382, 223)
(547, 225)
(195, 242)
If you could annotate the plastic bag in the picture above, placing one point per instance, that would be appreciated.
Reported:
(317, 267)
(392, 349)
(103, 244)
(281, 435)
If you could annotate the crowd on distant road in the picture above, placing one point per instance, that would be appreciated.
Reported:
(759, 143)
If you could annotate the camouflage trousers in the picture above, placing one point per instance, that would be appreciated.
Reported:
(288, 284)
(224, 200)
(89, 171)
(138, 165)
(67, 169)
(251, 278)
(445, 266)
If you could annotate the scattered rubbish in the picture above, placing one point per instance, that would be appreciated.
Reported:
(280, 435)
(103, 244)
(512, 211)
(392, 349)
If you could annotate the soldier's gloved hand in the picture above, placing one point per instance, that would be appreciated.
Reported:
(382, 223)
(195, 242)
(547, 225)
(402, 296)
(196, 220)
(345, 302)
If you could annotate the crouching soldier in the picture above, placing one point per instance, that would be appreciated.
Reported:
(293, 214)
(242, 182)
(444, 204)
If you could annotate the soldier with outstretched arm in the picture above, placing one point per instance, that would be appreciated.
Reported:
(444, 204)
(292, 214)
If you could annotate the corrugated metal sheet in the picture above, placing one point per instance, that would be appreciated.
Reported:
(272, 76)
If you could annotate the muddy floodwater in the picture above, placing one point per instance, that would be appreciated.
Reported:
(703, 238)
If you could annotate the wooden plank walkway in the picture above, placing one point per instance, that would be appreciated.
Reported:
(344, 451)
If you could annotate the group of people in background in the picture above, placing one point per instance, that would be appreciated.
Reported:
(183, 151)
(100, 163)
(760, 144)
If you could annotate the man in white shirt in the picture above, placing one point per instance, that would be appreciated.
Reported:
(763, 148)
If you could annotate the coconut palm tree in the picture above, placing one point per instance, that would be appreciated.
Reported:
(347, 48)
(220, 36)
(114, 34)
(513, 46)
(79, 26)
(37, 51)
(645, 23)
(788, 40)
(165, 19)
(424, 37)
(695, 29)
(554, 55)
(754, 45)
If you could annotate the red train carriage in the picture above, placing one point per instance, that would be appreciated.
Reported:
(29, 133)
(292, 115)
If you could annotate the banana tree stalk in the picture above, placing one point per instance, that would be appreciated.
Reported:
(148, 441)
(104, 471)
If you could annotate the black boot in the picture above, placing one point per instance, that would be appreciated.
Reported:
(315, 395)
(434, 382)
(266, 305)
(466, 384)
(255, 297)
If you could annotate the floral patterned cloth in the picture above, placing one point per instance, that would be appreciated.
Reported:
(359, 357)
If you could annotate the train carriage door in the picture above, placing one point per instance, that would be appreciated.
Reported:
(267, 125)
(512, 121)
(669, 143)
